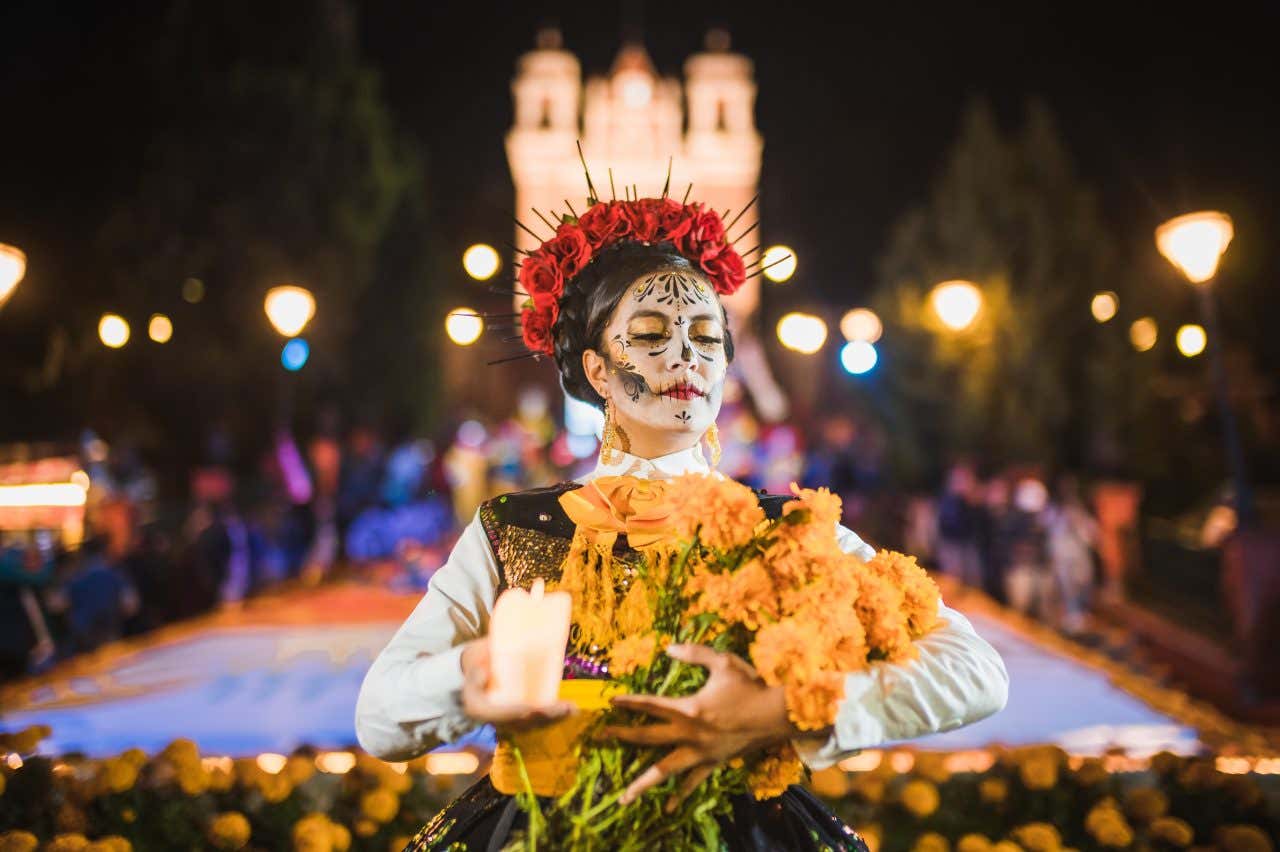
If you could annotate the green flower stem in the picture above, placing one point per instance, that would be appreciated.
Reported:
(535, 811)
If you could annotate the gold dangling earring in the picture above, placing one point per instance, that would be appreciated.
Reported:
(608, 436)
(713, 442)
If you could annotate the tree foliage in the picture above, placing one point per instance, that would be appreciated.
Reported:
(274, 162)
(1033, 380)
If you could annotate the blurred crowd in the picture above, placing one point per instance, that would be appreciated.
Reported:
(1030, 546)
(387, 504)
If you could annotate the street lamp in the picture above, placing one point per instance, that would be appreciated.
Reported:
(289, 308)
(956, 303)
(13, 265)
(1194, 243)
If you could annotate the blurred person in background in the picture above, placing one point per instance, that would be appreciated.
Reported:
(98, 598)
(1071, 536)
(1028, 583)
(995, 534)
(958, 522)
(26, 644)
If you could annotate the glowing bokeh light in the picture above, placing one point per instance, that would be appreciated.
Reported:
(160, 329)
(13, 266)
(481, 261)
(637, 90)
(272, 763)
(861, 324)
(290, 308)
(858, 357)
(1143, 334)
(294, 355)
(452, 763)
(193, 290)
(802, 333)
(956, 303)
(778, 263)
(42, 494)
(471, 433)
(335, 762)
(113, 330)
(1191, 340)
(1104, 306)
(463, 326)
(1195, 242)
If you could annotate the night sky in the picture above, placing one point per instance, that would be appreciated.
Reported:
(1163, 113)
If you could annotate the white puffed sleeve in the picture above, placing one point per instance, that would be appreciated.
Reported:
(410, 700)
(957, 679)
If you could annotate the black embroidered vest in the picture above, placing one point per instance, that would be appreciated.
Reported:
(530, 534)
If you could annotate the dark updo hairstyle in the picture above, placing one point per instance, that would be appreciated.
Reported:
(590, 299)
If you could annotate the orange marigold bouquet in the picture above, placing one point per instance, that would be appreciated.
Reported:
(778, 592)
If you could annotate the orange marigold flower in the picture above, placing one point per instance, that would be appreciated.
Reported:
(1039, 772)
(825, 508)
(1144, 804)
(919, 590)
(1038, 837)
(788, 651)
(775, 772)
(722, 512)
(632, 652)
(920, 798)
(1171, 830)
(746, 596)
(812, 703)
(880, 609)
(1243, 838)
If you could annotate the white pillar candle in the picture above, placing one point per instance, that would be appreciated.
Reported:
(527, 638)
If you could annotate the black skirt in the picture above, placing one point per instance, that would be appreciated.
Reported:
(483, 820)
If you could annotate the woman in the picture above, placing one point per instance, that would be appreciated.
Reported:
(626, 300)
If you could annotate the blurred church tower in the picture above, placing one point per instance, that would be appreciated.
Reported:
(633, 121)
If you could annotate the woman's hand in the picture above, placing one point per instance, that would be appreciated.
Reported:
(477, 704)
(733, 714)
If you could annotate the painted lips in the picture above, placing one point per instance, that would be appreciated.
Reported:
(683, 392)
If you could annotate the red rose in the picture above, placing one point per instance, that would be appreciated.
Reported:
(535, 327)
(724, 267)
(707, 227)
(674, 221)
(571, 249)
(604, 224)
(541, 278)
(643, 219)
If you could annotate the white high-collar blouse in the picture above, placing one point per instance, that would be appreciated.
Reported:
(410, 700)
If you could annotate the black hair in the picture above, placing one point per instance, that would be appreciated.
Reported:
(589, 301)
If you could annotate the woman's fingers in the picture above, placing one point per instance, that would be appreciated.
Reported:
(665, 734)
(690, 783)
(673, 764)
(671, 709)
(698, 655)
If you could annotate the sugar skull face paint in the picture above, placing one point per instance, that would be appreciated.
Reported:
(664, 347)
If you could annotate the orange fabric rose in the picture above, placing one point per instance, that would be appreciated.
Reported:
(611, 505)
